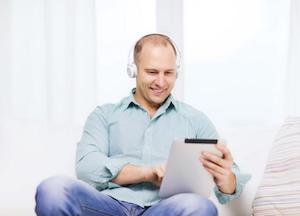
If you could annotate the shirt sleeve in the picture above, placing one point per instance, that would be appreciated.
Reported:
(205, 128)
(93, 164)
(241, 180)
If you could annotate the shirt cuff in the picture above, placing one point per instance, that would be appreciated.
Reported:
(114, 165)
(241, 180)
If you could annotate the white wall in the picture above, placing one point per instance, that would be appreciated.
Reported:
(236, 59)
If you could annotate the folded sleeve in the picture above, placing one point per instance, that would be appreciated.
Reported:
(241, 180)
(93, 164)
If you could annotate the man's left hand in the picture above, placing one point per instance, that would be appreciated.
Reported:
(220, 169)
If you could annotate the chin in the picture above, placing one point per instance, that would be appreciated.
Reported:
(158, 101)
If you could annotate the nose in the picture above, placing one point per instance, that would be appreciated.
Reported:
(161, 80)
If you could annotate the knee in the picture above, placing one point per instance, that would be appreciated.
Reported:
(206, 207)
(51, 193)
(192, 204)
(52, 187)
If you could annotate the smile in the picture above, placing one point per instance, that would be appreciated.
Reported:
(157, 91)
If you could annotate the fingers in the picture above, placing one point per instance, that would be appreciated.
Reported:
(220, 168)
(217, 176)
(163, 167)
(221, 176)
(158, 171)
(216, 165)
(225, 162)
(213, 166)
(226, 153)
(213, 158)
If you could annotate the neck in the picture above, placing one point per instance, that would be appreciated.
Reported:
(150, 108)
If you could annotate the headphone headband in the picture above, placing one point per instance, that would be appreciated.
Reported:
(131, 66)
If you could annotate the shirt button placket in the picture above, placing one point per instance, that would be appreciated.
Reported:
(147, 146)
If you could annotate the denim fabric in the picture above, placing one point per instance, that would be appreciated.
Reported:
(63, 196)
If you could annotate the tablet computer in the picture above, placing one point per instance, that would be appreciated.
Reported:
(184, 171)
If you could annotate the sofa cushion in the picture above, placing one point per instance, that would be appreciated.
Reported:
(279, 191)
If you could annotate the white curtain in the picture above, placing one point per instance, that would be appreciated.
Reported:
(47, 88)
(59, 59)
(293, 72)
(51, 69)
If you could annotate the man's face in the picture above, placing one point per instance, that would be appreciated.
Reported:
(156, 74)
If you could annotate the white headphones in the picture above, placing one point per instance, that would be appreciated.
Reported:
(131, 66)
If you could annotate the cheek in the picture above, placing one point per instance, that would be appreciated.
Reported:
(148, 81)
(171, 82)
(142, 80)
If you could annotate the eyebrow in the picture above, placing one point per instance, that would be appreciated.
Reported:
(154, 69)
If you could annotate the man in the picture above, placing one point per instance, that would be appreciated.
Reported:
(124, 147)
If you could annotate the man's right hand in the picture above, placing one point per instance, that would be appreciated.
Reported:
(131, 174)
(155, 174)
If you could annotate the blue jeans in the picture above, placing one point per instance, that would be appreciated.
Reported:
(63, 196)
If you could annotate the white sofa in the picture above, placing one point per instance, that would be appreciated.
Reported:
(272, 156)
(249, 145)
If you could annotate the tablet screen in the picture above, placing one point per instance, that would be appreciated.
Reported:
(184, 171)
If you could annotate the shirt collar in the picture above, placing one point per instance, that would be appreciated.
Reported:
(170, 102)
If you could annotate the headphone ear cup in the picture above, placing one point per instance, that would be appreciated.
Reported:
(178, 68)
(131, 70)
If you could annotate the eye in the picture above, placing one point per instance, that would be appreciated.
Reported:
(151, 72)
(169, 73)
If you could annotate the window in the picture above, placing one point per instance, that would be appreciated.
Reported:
(119, 24)
(235, 59)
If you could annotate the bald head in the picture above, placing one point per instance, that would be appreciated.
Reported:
(155, 40)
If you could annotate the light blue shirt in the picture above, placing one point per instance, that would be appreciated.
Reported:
(124, 133)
